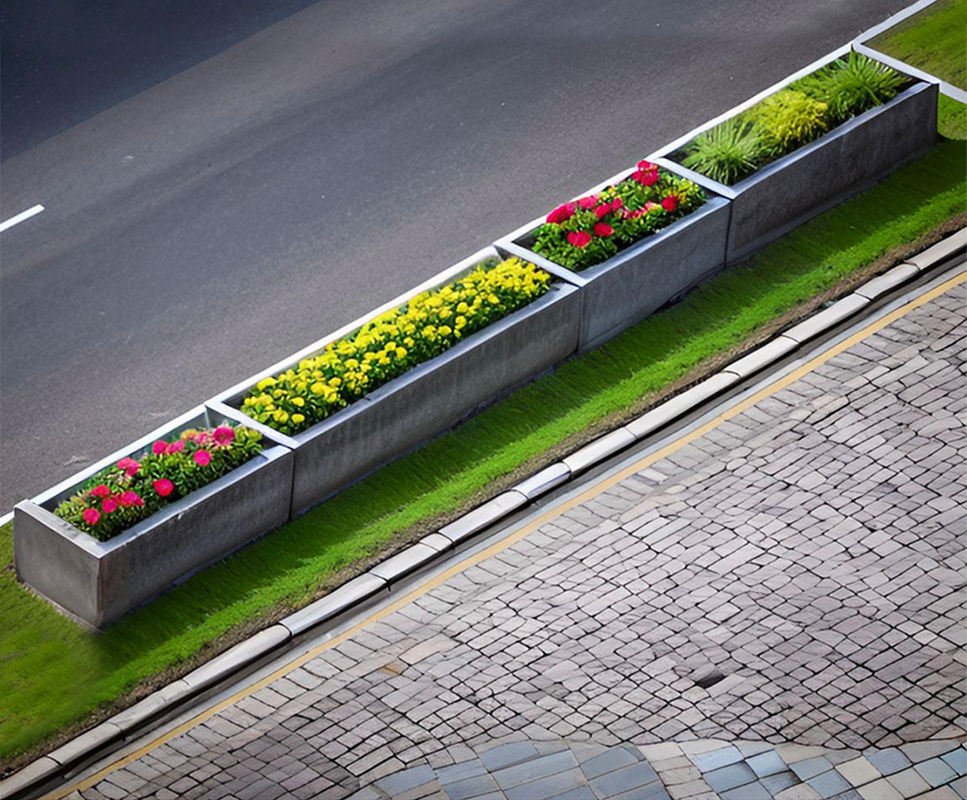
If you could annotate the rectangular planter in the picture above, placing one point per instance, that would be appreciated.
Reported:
(843, 162)
(428, 399)
(98, 582)
(629, 286)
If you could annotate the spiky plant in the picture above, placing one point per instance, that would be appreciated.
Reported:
(852, 85)
(728, 152)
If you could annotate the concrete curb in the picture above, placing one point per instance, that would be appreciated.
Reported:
(428, 550)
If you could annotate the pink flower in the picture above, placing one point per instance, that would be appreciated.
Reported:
(100, 491)
(602, 210)
(175, 447)
(617, 203)
(91, 516)
(224, 434)
(561, 213)
(129, 465)
(647, 166)
(603, 229)
(163, 487)
(649, 206)
(202, 458)
(579, 238)
(588, 202)
(669, 203)
(202, 438)
(108, 505)
(130, 498)
(158, 447)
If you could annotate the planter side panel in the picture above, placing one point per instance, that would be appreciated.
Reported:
(207, 530)
(50, 560)
(862, 151)
(433, 397)
(650, 274)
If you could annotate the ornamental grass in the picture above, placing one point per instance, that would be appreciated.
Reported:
(791, 118)
(592, 229)
(393, 343)
(135, 487)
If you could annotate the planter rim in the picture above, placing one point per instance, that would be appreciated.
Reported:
(844, 129)
(711, 205)
(100, 549)
(461, 268)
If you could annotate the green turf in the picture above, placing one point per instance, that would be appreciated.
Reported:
(951, 118)
(54, 673)
(934, 40)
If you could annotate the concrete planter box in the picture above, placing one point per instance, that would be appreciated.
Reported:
(629, 286)
(425, 401)
(98, 582)
(843, 162)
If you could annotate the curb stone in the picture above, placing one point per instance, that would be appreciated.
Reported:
(363, 587)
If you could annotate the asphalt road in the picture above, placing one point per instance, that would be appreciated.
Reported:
(224, 186)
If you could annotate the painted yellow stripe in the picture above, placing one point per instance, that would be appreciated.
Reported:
(519, 534)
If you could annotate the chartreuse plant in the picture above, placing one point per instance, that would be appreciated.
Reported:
(592, 229)
(393, 343)
(791, 118)
(133, 489)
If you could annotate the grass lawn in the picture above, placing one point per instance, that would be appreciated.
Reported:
(934, 40)
(57, 677)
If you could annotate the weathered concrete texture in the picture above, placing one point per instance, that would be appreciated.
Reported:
(434, 396)
(794, 576)
(628, 287)
(101, 581)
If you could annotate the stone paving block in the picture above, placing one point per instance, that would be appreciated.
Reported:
(751, 791)
(624, 779)
(781, 780)
(829, 784)
(956, 760)
(936, 771)
(887, 761)
(470, 787)
(858, 771)
(408, 779)
(811, 767)
(717, 758)
(879, 790)
(608, 761)
(549, 786)
(909, 782)
(729, 777)
(767, 763)
(525, 771)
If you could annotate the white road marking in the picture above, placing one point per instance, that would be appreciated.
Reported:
(20, 217)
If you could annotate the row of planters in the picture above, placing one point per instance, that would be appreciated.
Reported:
(273, 446)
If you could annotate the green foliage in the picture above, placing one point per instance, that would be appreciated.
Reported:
(951, 118)
(788, 119)
(728, 152)
(590, 230)
(851, 86)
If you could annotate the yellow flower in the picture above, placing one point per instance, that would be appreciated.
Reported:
(265, 383)
(298, 401)
(298, 418)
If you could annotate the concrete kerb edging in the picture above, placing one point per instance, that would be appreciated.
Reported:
(382, 576)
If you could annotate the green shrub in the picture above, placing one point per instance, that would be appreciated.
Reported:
(851, 86)
(788, 119)
(728, 152)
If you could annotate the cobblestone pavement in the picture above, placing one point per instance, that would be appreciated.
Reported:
(774, 610)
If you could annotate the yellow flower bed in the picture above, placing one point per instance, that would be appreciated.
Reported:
(388, 346)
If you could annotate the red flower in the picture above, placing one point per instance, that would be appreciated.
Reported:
(669, 203)
(588, 202)
(202, 458)
(129, 465)
(602, 210)
(579, 238)
(617, 203)
(108, 505)
(158, 447)
(163, 487)
(175, 447)
(603, 229)
(561, 213)
(647, 166)
(100, 491)
(645, 178)
(130, 498)
(91, 516)
(224, 434)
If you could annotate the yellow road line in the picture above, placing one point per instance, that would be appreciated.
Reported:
(519, 534)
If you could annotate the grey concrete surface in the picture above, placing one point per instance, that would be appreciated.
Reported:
(774, 609)
(242, 207)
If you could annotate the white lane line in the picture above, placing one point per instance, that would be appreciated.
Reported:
(20, 217)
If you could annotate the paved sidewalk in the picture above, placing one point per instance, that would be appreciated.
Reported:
(774, 610)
